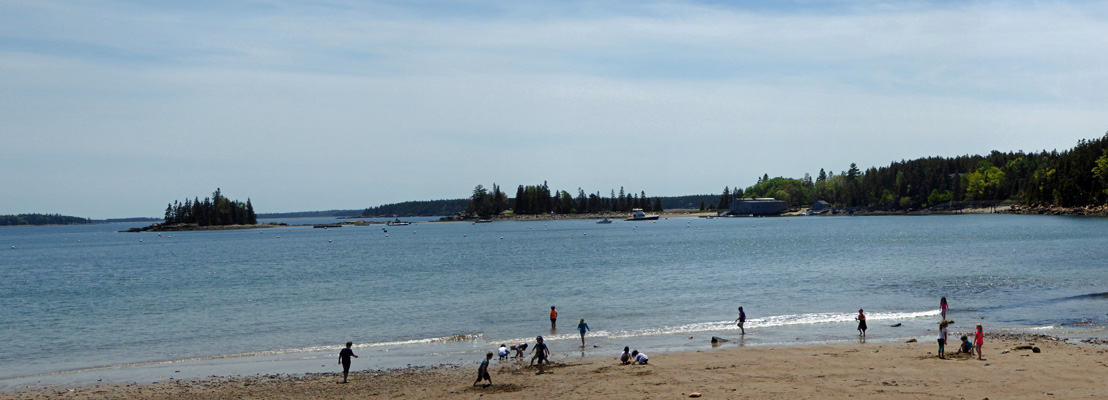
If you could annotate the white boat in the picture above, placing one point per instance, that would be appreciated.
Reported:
(398, 222)
(604, 221)
(638, 215)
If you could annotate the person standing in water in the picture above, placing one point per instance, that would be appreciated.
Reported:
(943, 307)
(582, 326)
(344, 359)
(741, 320)
(861, 323)
(553, 318)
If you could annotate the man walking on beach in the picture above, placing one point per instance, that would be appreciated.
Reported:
(553, 318)
(344, 359)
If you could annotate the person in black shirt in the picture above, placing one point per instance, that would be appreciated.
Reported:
(344, 359)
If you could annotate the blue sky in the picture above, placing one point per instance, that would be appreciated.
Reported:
(115, 108)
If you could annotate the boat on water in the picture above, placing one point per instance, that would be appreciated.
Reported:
(398, 222)
(604, 221)
(638, 215)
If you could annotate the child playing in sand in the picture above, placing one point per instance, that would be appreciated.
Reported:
(542, 355)
(966, 347)
(344, 359)
(979, 340)
(638, 358)
(519, 348)
(861, 323)
(942, 339)
(503, 352)
(625, 357)
(582, 326)
(483, 370)
(741, 320)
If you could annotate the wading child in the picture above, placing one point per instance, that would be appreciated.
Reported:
(582, 326)
(483, 370)
(553, 318)
(943, 307)
(741, 320)
(861, 323)
(344, 359)
(503, 352)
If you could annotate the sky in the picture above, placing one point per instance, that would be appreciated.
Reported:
(114, 109)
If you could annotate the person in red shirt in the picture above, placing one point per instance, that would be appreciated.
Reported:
(553, 318)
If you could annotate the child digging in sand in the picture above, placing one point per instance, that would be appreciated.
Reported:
(625, 357)
(966, 347)
(638, 358)
(503, 352)
(483, 370)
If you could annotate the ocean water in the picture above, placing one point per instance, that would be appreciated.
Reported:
(82, 304)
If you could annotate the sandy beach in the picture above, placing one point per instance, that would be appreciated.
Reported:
(1011, 369)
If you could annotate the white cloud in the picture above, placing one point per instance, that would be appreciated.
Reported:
(282, 101)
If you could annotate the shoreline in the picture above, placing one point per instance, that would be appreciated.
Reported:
(1011, 369)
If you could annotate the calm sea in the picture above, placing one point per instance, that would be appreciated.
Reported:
(85, 303)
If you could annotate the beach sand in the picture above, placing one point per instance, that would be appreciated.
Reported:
(861, 371)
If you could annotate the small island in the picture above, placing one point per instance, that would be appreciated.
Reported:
(213, 213)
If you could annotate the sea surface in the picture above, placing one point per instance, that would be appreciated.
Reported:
(86, 304)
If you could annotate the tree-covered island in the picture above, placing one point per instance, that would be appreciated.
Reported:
(215, 212)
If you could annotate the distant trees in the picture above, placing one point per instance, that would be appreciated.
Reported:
(41, 219)
(1072, 178)
(213, 211)
(418, 208)
(540, 199)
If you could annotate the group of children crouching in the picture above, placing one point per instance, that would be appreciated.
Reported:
(966, 347)
(542, 356)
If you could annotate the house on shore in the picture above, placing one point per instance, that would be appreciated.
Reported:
(758, 206)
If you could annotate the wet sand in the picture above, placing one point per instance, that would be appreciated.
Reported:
(908, 370)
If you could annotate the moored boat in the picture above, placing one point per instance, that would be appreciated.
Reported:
(638, 215)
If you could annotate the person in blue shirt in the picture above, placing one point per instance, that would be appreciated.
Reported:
(582, 326)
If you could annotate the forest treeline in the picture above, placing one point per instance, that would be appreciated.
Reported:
(212, 211)
(540, 199)
(1072, 178)
(41, 219)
